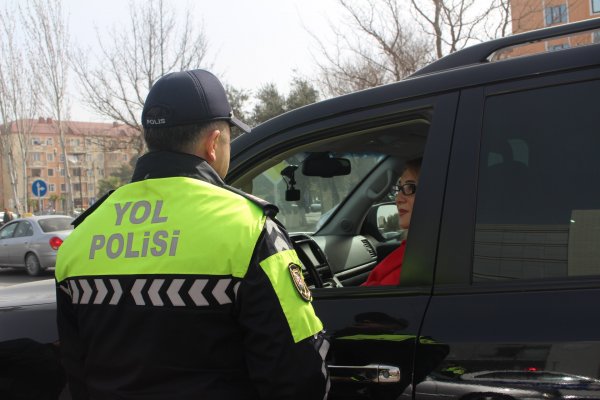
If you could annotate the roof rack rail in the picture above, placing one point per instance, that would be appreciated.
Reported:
(481, 52)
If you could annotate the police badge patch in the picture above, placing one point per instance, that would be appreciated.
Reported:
(298, 279)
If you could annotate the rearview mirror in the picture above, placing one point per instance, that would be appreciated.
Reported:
(324, 166)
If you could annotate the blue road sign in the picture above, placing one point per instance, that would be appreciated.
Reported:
(39, 188)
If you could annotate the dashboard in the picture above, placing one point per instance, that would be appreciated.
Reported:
(334, 260)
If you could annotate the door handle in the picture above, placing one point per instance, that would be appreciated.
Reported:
(372, 373)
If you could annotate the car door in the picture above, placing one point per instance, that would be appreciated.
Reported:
(374, 331)
(6, 242)
(21, 242)
(518, 271)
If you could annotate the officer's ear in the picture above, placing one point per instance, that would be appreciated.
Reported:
(210, 145)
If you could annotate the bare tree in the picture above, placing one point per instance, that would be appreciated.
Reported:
(520, 14)
(455, 24)
(47, 30)
(18, 105)
(375, 47)
(154, 43)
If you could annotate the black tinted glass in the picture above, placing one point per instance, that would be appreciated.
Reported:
(538, 213)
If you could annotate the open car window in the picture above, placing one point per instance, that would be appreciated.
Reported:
(334, 197)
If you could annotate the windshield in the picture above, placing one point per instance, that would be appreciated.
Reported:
(307, 202)
(56, 224)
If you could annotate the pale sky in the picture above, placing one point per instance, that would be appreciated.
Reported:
(253, 42)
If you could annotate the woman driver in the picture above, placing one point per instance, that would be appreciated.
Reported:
(387, 272)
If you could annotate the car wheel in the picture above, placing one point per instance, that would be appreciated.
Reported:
(32, 264)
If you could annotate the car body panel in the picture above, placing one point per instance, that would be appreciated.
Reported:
(506, 325)
(28, 310)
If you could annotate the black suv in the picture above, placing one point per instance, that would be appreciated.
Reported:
(502, 264)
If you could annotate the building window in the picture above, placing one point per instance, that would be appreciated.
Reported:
(49, 141)
(595, 6)
(63, 187)
(36, 172)
(36, 156)
(556, 14)
(62, 158)
(560, 46)
(596, 37)
(62, 172)
(49, 157)
(50, 172)
(36, 141)
(76, 187)
(51, 187)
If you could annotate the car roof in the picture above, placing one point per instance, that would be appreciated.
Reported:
(460, 70)
(40, 217)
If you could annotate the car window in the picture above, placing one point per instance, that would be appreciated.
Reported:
(8, 230)
(305, 202)
(538, 211)
(334, 193)
(23, 229)
(55, 224)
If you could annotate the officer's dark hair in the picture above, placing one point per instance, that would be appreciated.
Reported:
(179, 138)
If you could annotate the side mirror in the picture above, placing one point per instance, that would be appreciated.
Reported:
(321, 164)
(383, 223)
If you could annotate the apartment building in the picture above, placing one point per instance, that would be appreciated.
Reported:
(529, 15)
(94, 152)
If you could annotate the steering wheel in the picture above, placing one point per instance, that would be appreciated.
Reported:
(313, 260)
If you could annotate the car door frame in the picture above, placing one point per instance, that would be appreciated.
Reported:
(489, 314)
(340, 308)
(6, 244)
(22, 244)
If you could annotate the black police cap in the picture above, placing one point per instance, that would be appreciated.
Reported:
(186, 98)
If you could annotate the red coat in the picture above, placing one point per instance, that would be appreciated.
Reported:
(387, 272)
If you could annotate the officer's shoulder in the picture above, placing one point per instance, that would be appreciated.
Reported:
(270, 210)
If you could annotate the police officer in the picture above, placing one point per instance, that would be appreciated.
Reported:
(178, 286)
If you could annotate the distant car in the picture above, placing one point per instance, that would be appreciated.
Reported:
(32, 242)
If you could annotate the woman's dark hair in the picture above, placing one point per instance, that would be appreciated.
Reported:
(414, 165)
